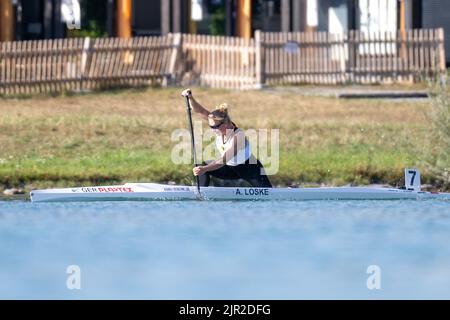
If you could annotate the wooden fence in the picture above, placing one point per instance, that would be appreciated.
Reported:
(85, 64)
(355, 57)
(220, 62)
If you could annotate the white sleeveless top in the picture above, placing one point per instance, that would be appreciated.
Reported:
(243, 146)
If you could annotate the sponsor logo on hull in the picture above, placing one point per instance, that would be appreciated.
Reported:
(103, 190)
(177, 189)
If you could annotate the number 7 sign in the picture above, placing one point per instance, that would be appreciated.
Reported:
(412, 179)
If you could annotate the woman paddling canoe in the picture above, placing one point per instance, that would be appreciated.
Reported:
(236, 160)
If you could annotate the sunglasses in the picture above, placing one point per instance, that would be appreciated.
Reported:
(217, 126)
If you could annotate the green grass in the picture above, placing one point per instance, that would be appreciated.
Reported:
(337, 166)
(119, 136)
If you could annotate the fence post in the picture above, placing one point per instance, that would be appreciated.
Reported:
(259, 59)
(351, 47)
(3, 70)
(174, 58)
(84, 60)
(442, 62)
(343, 54)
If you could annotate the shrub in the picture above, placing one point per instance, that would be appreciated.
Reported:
(438, 159)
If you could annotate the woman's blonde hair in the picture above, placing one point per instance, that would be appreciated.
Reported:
(220, 113)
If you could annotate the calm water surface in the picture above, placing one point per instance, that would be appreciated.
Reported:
(225, 250)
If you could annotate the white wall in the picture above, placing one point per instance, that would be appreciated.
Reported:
(377, 16)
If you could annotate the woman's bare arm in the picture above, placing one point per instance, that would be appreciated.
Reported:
(220, 162)
(229, 154)
(197, 107)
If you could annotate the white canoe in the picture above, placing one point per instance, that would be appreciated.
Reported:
(152, 191)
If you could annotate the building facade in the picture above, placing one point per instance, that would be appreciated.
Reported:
(436, 14)
(44, 19)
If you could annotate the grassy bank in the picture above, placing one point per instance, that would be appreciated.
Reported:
(126, 136)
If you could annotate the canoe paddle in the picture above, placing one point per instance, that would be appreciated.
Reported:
(191, 128)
